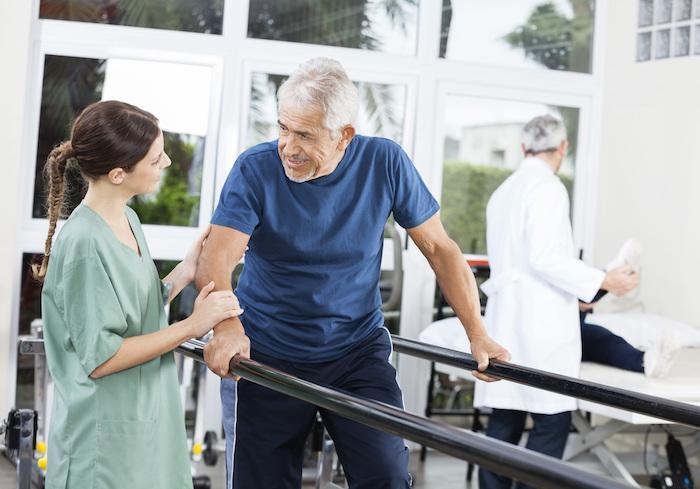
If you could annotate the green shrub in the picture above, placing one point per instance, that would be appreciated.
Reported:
(466, 189)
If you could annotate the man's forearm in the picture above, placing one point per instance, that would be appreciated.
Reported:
(459, 287)
(209, 270)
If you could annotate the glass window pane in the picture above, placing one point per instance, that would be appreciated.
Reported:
(204, 16)
(644, 46)
(378, 25)
(555, 35)
(662, 43)
(29, 310)
(646, 12)
(482, 147)
(70, 84)
(382, 109)
(697, 9)
(681, 41)
(663, 11)
(682, 9)
(696, 50)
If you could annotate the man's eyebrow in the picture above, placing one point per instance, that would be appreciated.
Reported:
(301, 133)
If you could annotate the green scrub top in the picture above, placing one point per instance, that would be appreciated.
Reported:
(124, 430)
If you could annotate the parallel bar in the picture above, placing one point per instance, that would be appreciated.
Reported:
(509, 460)
(657, 407)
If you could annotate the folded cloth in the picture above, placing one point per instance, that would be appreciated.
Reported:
(630, 254)
(643, 331)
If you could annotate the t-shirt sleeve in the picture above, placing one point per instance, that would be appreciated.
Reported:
(413, 202)
(94, 317)
(239, 206)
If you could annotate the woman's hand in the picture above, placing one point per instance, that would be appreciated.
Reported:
(189, 264)
(210, 308)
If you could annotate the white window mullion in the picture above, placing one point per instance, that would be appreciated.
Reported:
(235, 31)
(113, 37)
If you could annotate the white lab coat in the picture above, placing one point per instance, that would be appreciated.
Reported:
(536, 281)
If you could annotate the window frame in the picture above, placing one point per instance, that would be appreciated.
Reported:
(235, 56)
(582, 174)
(165, 241)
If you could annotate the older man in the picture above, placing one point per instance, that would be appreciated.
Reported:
(536, 281)
(311, 207)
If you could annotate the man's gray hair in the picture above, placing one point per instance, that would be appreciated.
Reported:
(322, 83)
(543, 133)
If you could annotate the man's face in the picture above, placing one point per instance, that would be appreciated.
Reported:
(305, 146)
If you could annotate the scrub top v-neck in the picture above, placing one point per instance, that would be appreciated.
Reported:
(125, 429)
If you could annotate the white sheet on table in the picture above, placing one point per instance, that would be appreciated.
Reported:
(642, 330)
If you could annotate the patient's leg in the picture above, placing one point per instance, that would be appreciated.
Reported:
(599, 345)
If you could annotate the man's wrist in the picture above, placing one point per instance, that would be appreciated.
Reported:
(475, 328)
(233, 324)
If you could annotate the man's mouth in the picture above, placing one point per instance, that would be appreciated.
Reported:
(295, 163)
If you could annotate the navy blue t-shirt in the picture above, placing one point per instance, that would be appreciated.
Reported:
(310, 283)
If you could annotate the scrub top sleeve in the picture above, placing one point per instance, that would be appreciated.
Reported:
(413, 203)
(92, 312)
(239, 207)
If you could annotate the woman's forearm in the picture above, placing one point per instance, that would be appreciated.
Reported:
(179, 278)
(137, 350)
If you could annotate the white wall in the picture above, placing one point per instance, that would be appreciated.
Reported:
(15, 43)
(649, 176)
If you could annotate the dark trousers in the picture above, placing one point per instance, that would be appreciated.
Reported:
(600, 345)
(271, 428)
(548, 437)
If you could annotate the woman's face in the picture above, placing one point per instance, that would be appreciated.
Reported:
(145, 176)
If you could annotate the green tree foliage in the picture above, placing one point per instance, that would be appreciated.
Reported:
(466, 189)
(344, 23)
(554, 40)
(445, 26)
(205, 16)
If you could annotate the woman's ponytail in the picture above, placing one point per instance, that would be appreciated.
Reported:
(55, 171)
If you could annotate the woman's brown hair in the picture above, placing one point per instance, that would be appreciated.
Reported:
(104, 136)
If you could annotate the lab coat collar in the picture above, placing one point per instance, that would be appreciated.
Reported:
(534, 162)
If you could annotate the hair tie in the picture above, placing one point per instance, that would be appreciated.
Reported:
(67, 149)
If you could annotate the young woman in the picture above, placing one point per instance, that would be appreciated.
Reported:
(117, 420)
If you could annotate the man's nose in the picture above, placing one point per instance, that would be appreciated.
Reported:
(291, 146)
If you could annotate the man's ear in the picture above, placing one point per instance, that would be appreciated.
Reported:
(563, 147)
(116, 176)
(346, 135)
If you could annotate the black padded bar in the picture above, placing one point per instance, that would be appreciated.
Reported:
(657, 407)
(504, 458)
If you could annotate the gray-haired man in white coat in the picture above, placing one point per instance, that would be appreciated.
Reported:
(536, 282)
